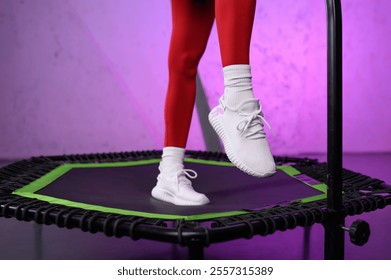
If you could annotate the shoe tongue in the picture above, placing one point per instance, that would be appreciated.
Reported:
(249, 106)
(171, 167)
(183, 179)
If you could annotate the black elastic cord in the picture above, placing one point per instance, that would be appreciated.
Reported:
(266, 231)
(38, 212)
(8, 204)
(250, 227)
(206, 234)
(68, 216)
(106, 229)
(24, 211)
(91, 222)
(132, 229)
(118, 222)
(18, 210)
(59, 216)
(83, 218)
(46, 216)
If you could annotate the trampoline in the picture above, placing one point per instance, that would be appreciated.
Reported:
(110, 192)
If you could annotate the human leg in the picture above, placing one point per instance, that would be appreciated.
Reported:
(238, 119)
(192, 21)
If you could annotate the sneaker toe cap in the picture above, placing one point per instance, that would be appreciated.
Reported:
(258, 160)
(194, 197)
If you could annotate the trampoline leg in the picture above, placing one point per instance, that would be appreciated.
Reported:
(174, 252)
(38, 241)
(306, 245)
(196, 251)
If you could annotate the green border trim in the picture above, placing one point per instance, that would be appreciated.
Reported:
(30, 189)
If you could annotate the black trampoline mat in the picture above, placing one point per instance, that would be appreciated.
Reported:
(129, 188)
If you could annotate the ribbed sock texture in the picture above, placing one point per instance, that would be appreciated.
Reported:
(172, 159)
(237, 83)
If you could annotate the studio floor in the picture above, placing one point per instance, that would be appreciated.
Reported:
(26, 240)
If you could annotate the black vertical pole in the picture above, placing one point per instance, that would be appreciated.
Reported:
(334, 234)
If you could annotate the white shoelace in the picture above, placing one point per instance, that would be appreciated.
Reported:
(254, 120)
(186, 172)
(250, 121)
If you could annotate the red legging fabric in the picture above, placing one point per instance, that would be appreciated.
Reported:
(192, 21)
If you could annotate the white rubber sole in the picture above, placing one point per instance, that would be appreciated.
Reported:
(217, 125)
(166, 196)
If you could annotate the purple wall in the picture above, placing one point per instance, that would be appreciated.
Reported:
(81, 76)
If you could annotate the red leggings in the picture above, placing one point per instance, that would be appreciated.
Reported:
(192, 22)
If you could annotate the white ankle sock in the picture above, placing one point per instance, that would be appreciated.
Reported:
(237, 83)
(172, 189)
(172, 159)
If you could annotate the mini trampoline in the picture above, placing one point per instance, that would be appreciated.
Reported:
(110, 192)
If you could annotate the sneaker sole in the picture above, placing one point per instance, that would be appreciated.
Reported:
(218, 127)
(167, 196)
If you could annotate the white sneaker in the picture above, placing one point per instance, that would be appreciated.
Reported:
(177, 189)
(243, 136)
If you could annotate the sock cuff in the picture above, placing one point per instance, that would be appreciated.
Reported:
(239, 69)
(237, 84)
(176, 152)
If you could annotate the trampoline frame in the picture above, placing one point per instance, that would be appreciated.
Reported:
(361, 193)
